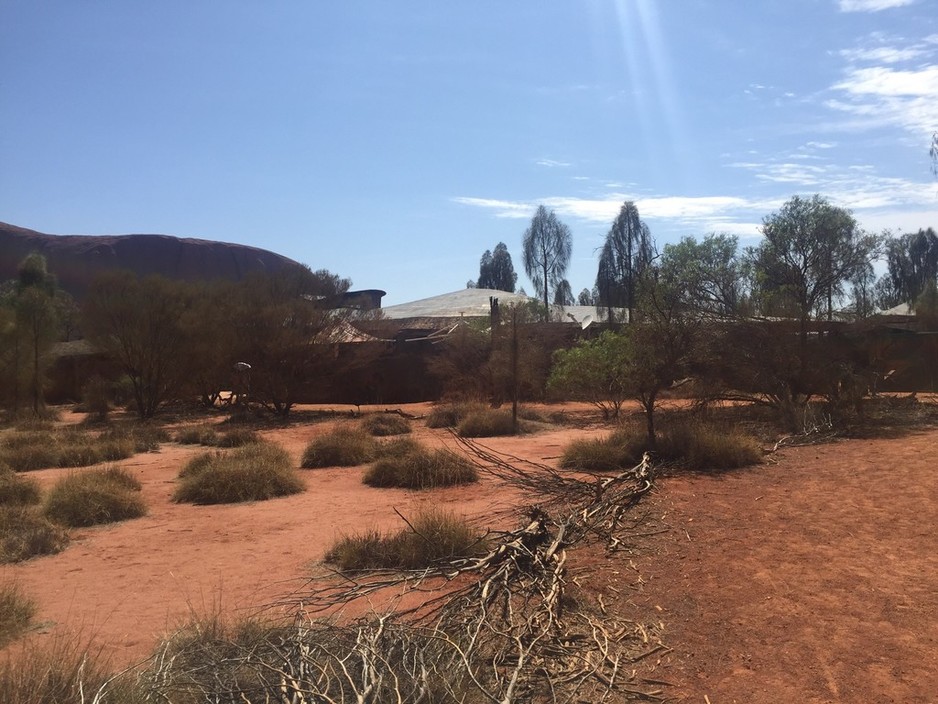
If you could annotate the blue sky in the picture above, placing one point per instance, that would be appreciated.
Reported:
(394, 142)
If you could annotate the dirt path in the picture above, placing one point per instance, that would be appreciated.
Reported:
(813, 580)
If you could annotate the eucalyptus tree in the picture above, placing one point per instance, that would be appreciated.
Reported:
(912, 261)
(711, 272)
(547, 247)
(626, 254)
(496, 270)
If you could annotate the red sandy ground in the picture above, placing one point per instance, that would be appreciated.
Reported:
(813, 578)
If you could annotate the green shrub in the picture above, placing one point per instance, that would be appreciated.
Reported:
(384, 424)
(16, 613)
(343, 447)
(26, 533)
(433, 536)
(254, 472)
(420, 468)
(93, 497)
(16, 490)
(487, 423)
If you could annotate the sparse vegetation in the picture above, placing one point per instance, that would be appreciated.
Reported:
(416, 467)
(67, 671)
(16, 490)
(254, 472)
(343, 447)
(432, 536)
(692, 445)
(384, 424)
(25, 450)
(25, 533)
(92, 497)
(449, 415)
(16, 613)
(209, 436)
(487, 423)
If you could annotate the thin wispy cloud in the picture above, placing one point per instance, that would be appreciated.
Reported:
(552, 163)
(871, 5)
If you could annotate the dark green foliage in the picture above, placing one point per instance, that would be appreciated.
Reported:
(93, 497)
(16, 613)
(384, 424)
(25, 533)
(496, 270)
(343, 447)
(254, 472)
(433, 536)
(420, 468)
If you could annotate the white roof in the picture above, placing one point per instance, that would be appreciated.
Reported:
(474, 302)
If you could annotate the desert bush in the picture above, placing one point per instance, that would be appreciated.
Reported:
(254, 472)
(432, 536)
(16, 490)
(16, 613)
(487, 423)
(65, 671)
(95, 399)
(26, 450)
(197, 435)
(93, 497)
(620, 449)
(449, 415)
(343, 447)
(384, 424)
(396, 447)
(236, 437)
(420, 468)
(26, 533)
(699, 446)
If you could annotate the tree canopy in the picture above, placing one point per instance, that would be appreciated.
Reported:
(496, 270)
(547, 245)
(626, 253)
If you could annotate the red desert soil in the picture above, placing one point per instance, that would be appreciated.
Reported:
(813, 578)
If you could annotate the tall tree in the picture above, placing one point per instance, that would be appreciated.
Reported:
(811, 249)
(912, 261)
(496, 270)
(140, 324)
(547, 246)
(711, 273)
(563, 294)
(626, 253)
(34, 318)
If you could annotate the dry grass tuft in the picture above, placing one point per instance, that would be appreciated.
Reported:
(94, 497)
(385, 424)
(16, 490)
(343, 447)
(26, 533)
(412, 466)
(254, 472)
(16, 613)
(431, 537)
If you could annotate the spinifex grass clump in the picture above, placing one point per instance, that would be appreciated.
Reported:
(449, 415)
(254, 472)
(16, 490)
(197, 435)
(81, 446)
(618, 450)
(385, 424)
(16, 613)
(703, 447)
(26, 533)
(66, 670)
(412, 466)
(432, 536)
(685, 443)
(93, 497)
(343, 447)
(487, 423)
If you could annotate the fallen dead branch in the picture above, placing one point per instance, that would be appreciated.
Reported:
(499, 628)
